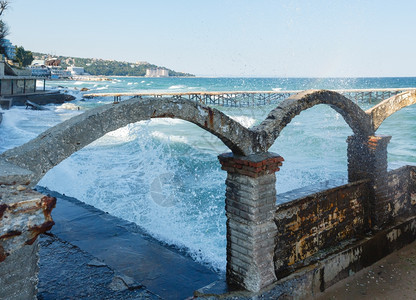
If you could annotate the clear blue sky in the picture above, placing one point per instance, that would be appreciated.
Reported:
(316, 38)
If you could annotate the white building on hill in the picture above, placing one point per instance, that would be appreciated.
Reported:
(76, 70)
(158, 72)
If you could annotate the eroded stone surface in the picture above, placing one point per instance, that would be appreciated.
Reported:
(59, 142)
(386, 108)
(19, 274)
(278, 118)
(24, 214)
(11, 174)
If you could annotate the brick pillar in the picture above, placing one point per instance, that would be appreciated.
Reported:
(367, 159)
(251, 231)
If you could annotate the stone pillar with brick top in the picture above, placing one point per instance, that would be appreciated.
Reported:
(367, 159)
(251, 231)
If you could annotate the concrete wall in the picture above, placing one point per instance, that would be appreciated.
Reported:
(6, 87)
(318, 225)
(30, 86)
(319, 221)
(402, 192)
(20, 86)
(24, 214)
(19, 274)
(1, 68)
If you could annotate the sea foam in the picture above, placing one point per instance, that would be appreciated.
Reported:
(150, 184)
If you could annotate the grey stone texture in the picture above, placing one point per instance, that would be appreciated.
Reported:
(20, 85)
(389, 106)
(251, 230)
(19, 274)
(402, 190)
(279, 117)
(12, 174)
(59, 142)
(367, 159)
(24, 214)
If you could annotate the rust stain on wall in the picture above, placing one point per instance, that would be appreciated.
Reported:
(3, 208)
(3, 254)
(48, 203)
(24, 215)
(309, 225)
(11, 233)
(314, 226)
(36, 230)
(210, 118)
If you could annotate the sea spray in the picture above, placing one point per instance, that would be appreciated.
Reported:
(21, 125)
(170, 189)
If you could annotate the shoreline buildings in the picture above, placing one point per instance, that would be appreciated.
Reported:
(52, 68)
(157, 72)
(18, 86)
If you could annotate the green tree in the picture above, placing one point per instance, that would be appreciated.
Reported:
(23, 57)
(4, 30)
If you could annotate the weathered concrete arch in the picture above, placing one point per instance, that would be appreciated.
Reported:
(59, 142)
(279, 117)
(386, 108)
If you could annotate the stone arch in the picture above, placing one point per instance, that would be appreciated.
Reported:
(386, 108)
(61, 141)
(278, 118)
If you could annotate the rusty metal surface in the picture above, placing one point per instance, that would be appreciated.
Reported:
(24, 214)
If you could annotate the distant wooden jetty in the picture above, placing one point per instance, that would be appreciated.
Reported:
(254, 98)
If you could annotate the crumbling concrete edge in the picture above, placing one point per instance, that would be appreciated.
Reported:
(24, 214)
(312, 280)
(11, 174)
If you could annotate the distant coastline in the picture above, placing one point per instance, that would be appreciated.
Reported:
(102, 67)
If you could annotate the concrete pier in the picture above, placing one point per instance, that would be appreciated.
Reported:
(254, 98)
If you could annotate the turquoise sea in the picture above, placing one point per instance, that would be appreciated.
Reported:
(164, 174)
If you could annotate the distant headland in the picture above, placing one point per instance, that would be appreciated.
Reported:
(95, 66)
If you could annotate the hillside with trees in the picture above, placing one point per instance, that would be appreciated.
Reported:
(96, 66)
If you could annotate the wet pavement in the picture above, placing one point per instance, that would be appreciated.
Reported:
(67, 272)
(90, 253)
